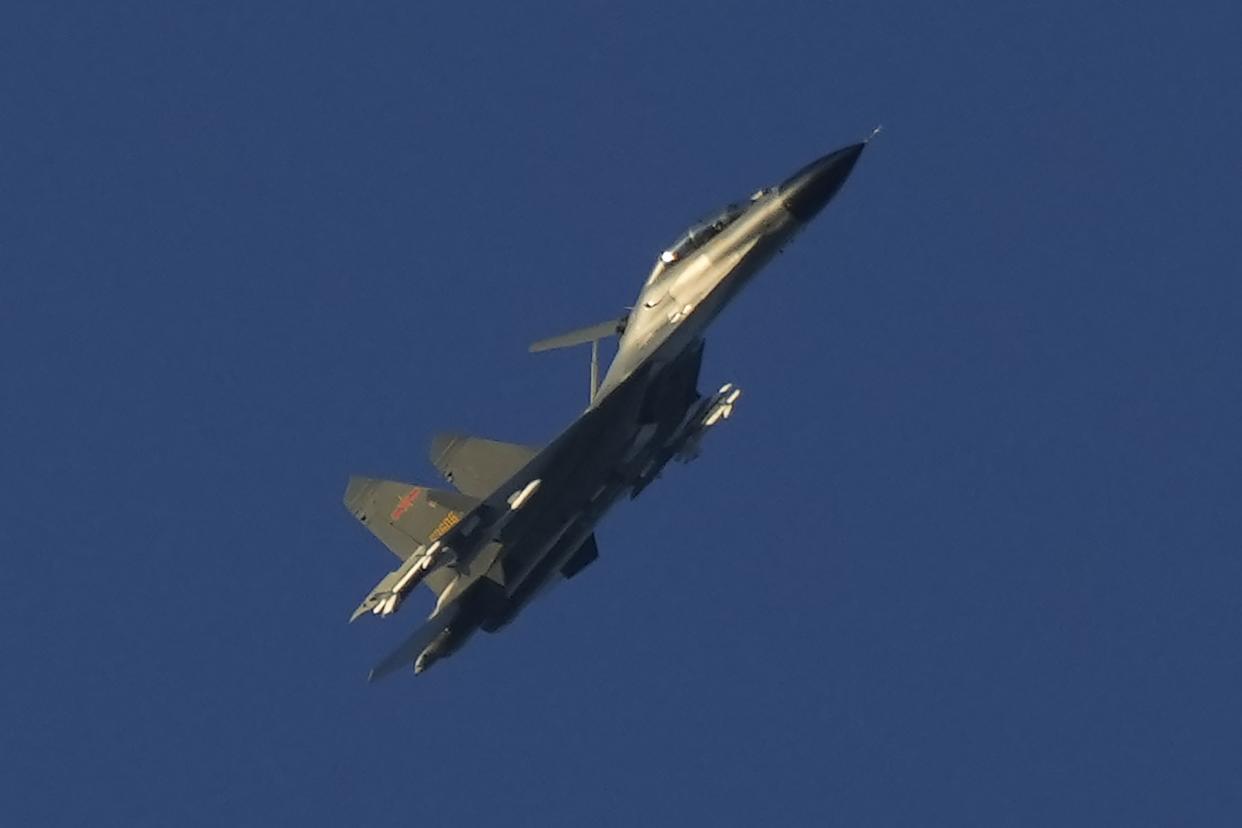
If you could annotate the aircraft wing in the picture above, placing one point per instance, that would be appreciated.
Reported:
(402, 515)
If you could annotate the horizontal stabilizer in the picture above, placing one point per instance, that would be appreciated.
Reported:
(582, 336)
(403, 657)
(477, 466)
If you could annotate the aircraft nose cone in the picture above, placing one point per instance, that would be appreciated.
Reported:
(810, 188)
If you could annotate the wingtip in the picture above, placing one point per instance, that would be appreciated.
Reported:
(356, 491)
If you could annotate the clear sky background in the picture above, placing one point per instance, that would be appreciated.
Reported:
(969, 553)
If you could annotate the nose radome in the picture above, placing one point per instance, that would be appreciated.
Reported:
(807, 191)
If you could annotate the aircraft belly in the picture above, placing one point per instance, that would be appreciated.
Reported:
(545, 569)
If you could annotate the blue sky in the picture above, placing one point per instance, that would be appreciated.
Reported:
(969, 552)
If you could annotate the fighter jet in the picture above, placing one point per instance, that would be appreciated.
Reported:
(521, 518)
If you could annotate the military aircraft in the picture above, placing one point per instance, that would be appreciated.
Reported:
(521, 518)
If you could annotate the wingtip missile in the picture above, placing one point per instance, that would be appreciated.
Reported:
(386, 597)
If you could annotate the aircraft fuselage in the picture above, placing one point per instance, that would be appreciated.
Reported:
(646, 411)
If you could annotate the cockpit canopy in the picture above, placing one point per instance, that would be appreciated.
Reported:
(696, 237)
